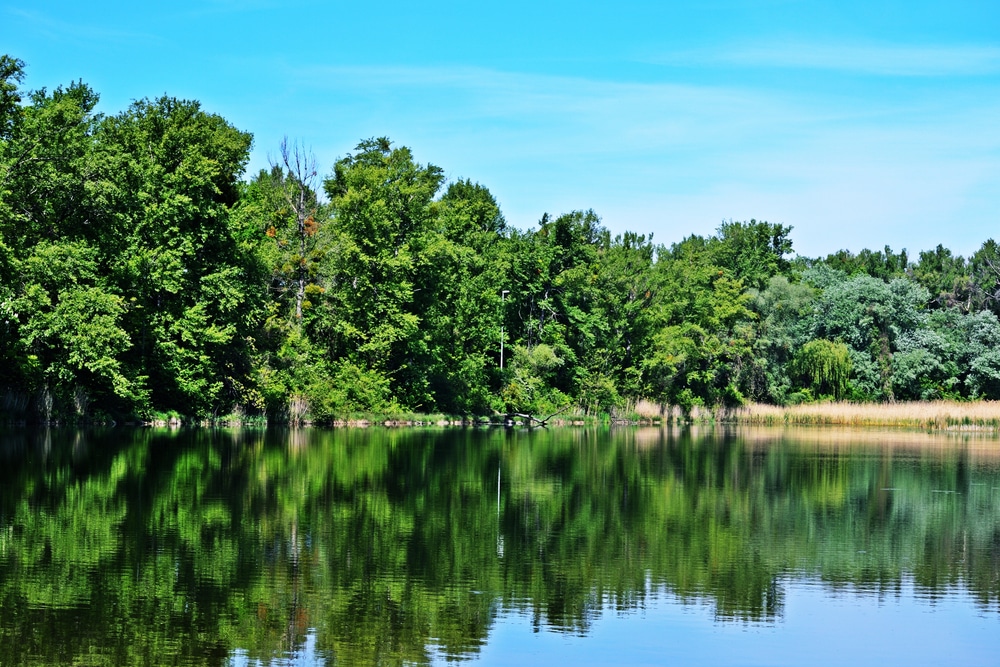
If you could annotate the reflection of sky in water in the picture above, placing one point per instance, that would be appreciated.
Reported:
(303, 656)
(818, 627)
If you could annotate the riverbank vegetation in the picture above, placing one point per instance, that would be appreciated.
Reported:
(928, 415)
(142, 274)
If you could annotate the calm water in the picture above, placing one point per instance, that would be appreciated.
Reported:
(360, 547)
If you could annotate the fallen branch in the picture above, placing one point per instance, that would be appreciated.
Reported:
(541, 422)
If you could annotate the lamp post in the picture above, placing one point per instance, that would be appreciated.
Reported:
(500, 545)
(503, 294)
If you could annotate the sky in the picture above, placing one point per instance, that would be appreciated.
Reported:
(859, 123)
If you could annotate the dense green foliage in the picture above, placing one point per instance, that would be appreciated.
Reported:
(140, 276)
(184, 546)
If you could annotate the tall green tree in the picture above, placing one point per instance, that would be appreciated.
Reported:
(784, 311)
(11, 76)
(384, 223)
(619, 294)
(945, 276)
(704, 332)
(984, 272)
(585, 297)
(48, 188)
(62, 319)
(458, 290)
(174, 171)
(753, 251)
(70, 335)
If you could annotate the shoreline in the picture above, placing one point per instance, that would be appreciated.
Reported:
(924, 415)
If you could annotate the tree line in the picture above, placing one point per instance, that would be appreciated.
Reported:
(140, 274)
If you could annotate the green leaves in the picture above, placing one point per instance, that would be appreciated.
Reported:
(870, 315)
(824, 367)
(704, 333)
(174, 169)
(68, 325)
(753, 251)
(383, 226)
(11, 76)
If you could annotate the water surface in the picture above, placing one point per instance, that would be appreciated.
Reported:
(637, 546)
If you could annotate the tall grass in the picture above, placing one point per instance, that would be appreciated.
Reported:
(918, 414)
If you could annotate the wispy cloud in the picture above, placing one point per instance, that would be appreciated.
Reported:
(576, 115)
(678, 158)
(224, 7)
(870, 59)
(54, 29)
(645, 115)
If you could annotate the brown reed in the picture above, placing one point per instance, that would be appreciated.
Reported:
(952, 415)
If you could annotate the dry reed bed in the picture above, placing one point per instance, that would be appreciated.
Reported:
(950, 415)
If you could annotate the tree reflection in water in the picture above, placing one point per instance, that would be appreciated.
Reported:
(392, 546)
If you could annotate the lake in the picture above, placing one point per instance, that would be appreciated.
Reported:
(499, 547)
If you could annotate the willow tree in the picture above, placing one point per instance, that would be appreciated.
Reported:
(825, 366)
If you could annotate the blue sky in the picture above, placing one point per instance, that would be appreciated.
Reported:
(859, 124)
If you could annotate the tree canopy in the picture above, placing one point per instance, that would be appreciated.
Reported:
(141, 274)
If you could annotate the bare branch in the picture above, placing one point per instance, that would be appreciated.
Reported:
(299, 165)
